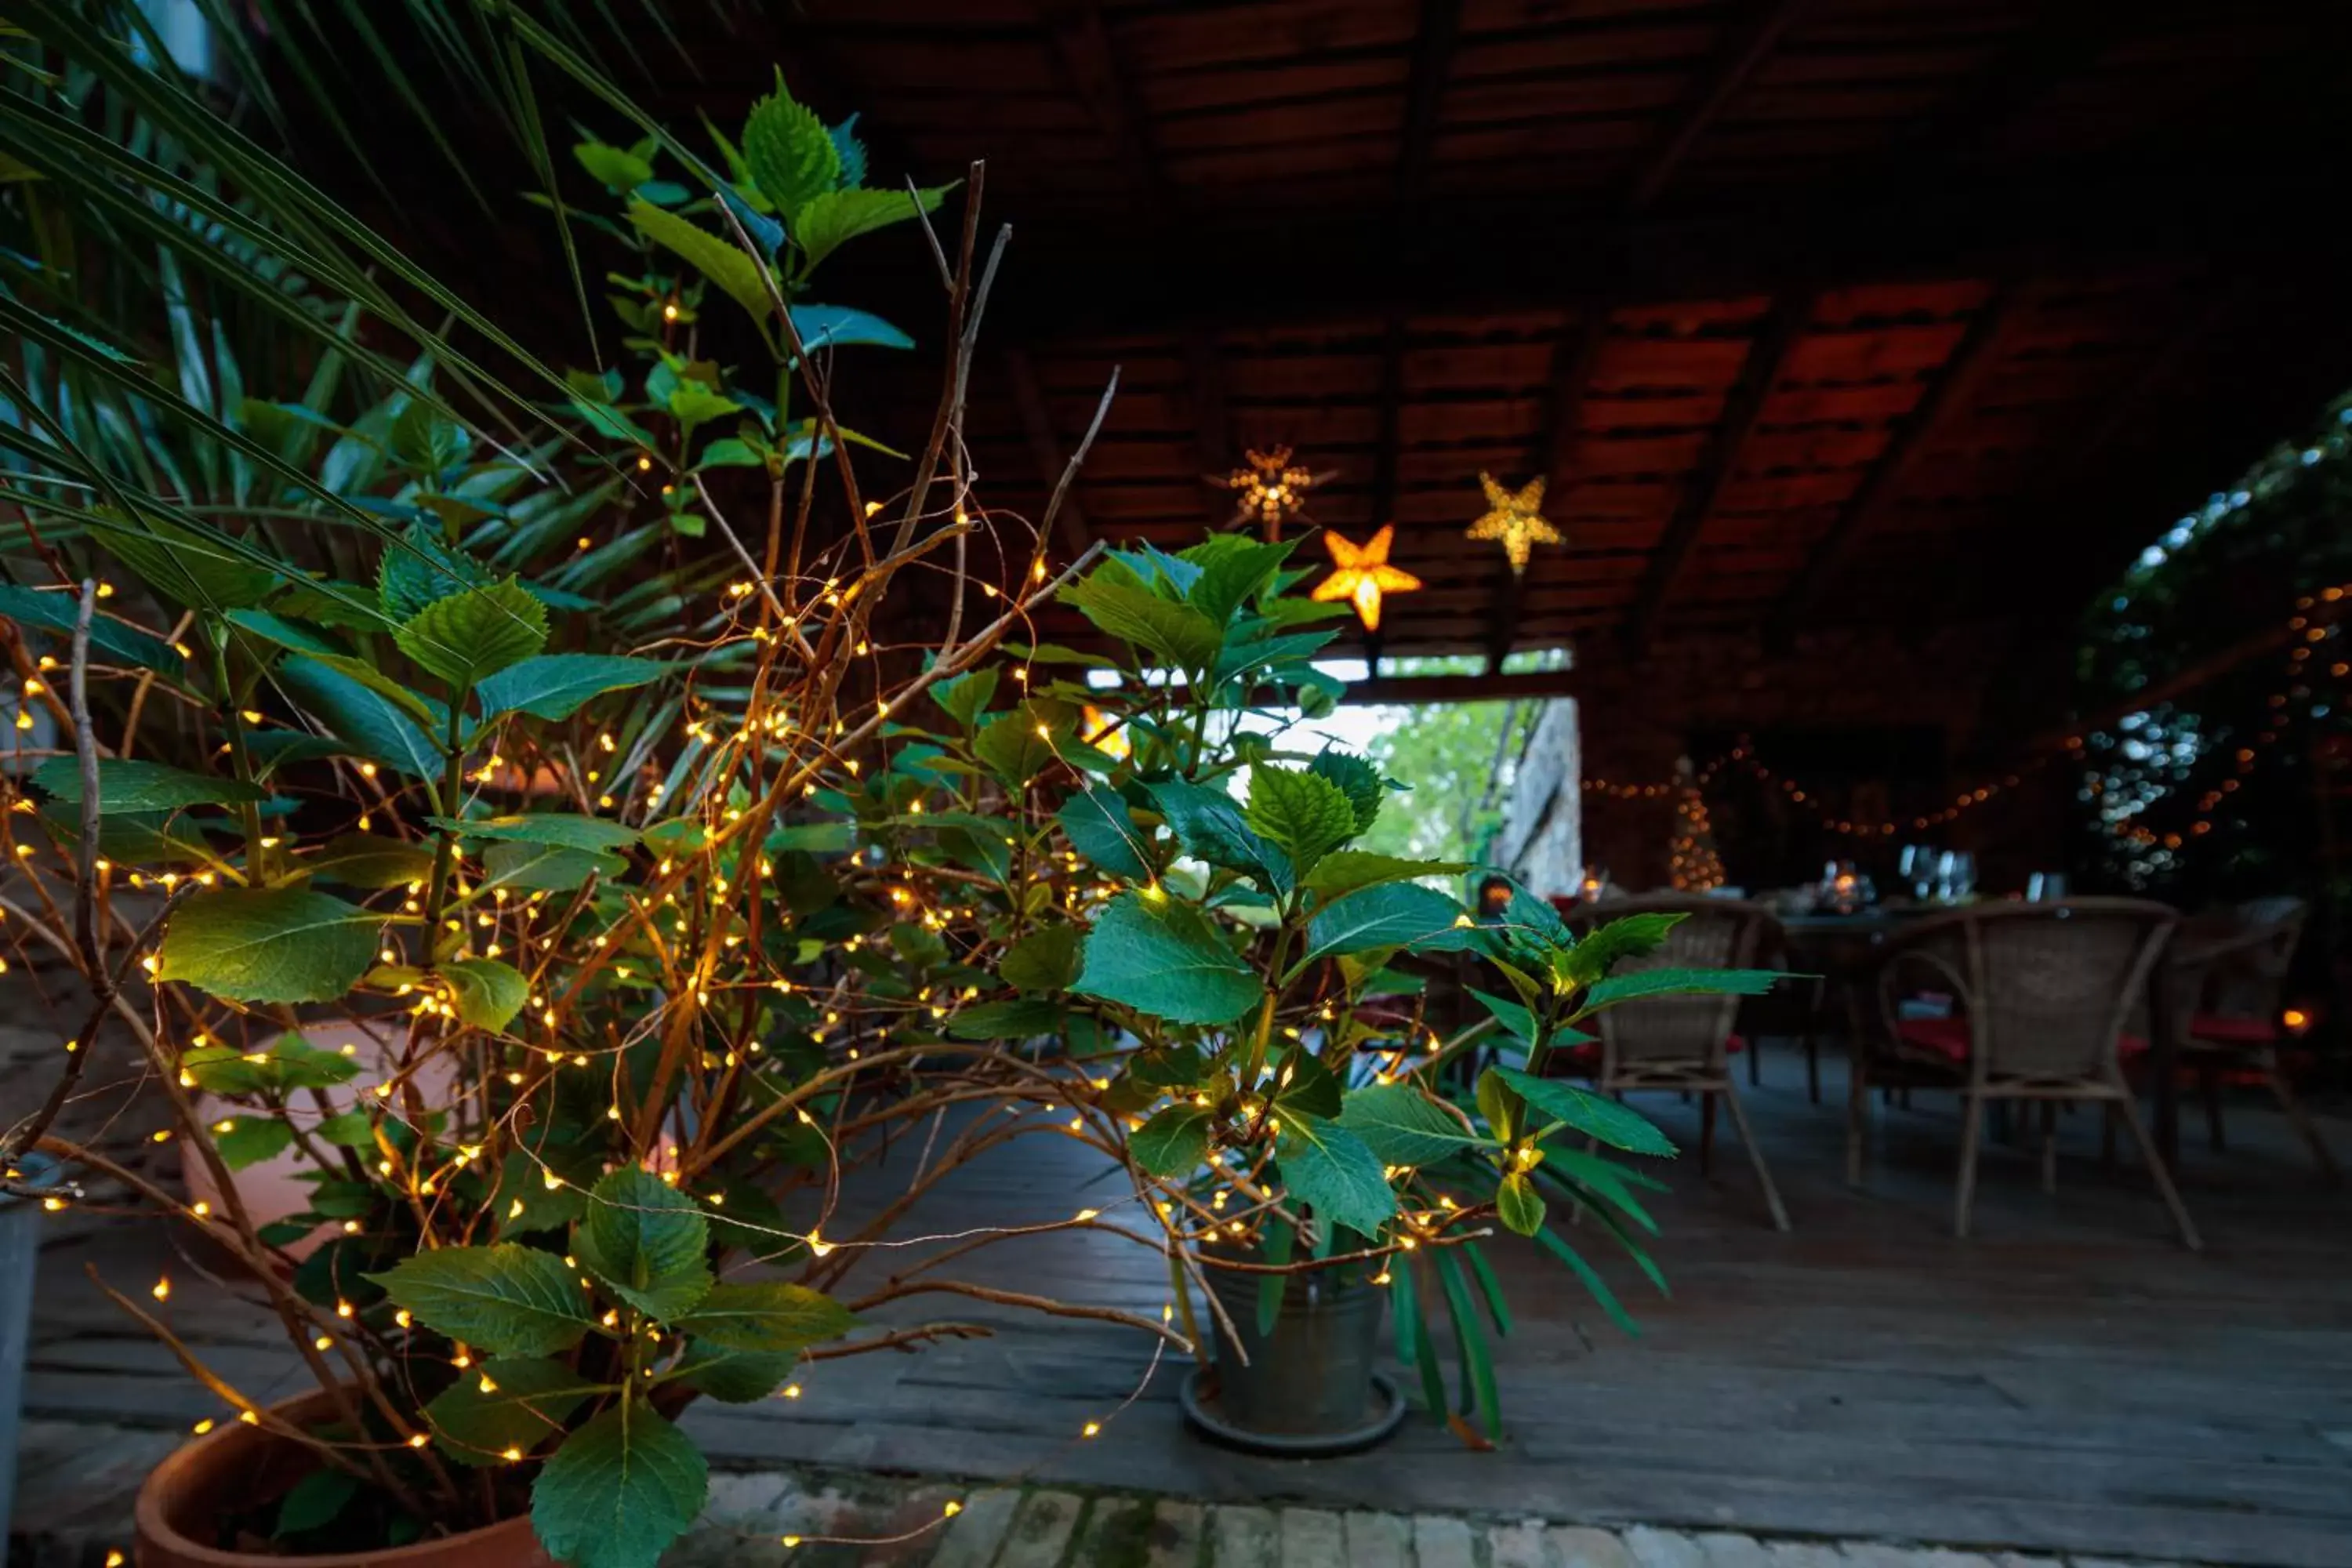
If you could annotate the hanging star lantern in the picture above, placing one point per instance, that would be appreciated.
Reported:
(1270, 489)
(1360, 574)
(1513, 518)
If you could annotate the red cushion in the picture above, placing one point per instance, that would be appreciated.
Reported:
(2130, 1045)
(1732, 1044)
(1947, 1037)
(2232, 1031)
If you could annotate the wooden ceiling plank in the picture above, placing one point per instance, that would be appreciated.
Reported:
(1438, 31)
(1749, 48)
(1083, 43)
(1954, 388)
(1783, 327)
(1046, 446)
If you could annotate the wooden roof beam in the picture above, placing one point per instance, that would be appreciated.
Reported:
(1743, 413)
(1433, 63)
(1574, 359)
(1045, 447)
(1081, 41)
(1750, 46)
(1954, 387)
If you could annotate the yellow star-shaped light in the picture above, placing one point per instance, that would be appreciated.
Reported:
(1513, 518)
(1360, 574)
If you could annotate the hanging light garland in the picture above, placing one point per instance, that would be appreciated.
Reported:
(1270, 490)
(1360, 574)
(1515, 518)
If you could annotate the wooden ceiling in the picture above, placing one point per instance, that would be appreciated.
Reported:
(1853, 312)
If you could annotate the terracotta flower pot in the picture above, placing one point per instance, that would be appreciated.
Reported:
(240, 1463)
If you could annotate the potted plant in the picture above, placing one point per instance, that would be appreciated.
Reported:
(631, 1004)
(1223, 962)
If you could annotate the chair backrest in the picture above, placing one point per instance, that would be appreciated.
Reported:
(1680, 1031)
(2049, 987)
(2240, 970)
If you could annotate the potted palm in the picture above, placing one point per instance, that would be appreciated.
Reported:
(585, 913)
(1306, 1149)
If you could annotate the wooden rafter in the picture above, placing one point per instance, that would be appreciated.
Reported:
(1433, 63)
(1046, 446)
(1727, 448)
(1750, 46)
(1954, 388)
(1574, 359)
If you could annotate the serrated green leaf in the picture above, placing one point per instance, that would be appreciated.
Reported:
(422, 569)
(833, 219)
(508, 1299)
(130, 786)
(767, 1315)
(1174, 633)
(791, 155)
(370, 860)
(478, 633)
(1012, 749)
(1679, 983)
(1172, 1142)
(720, 260)
(737, 1377)
(1336, 1173)
(187, 567)
(245, 1141)
(964, 698)
(1399, 1122)
(1347, 870)
(564, 830)
(619, 1490)
(1208, 825)
(544, 868)
(279, 944)
(1305, 1087)
(554, 685)
(1161, 956)
(1304, 815)
(1017, 1018)
(529, 1398)
(371, 724)
(1098, 826)
(645, 1241)
(1392, 914)
(1046, 960)
(1587, 1113)
(109, 638)
(1629, 936)
(487, 992)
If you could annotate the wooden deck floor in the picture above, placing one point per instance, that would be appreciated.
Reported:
(2069, 1379)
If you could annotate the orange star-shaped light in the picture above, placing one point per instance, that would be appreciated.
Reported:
(1512, 518)
(1360, 574)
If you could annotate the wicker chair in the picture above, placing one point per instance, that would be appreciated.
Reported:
(2044, 994)
(1683, 1043)
(2222, 984)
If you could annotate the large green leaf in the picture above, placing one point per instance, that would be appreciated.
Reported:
(1393, 914)
(487, 992)
(544, 868)
(737, 1377)
(184, 567)
(791, 155)
(1016, 1018)
(1307, 815)
(1044, 960)
(1012, 747)
(827, 326)
(1175, 633)
(1519, 1205)
(720, 260)
(619, 1490)
(246, 1140)
(143, 786)
(109, 638)
(1680, 982)
(1346, 871)
(1587, 1113)
(420, 570)
(508, 1299)
(528, 1401)
(1173, 1142)
(276, 944)
(1098, 826)
(1357, 778)
(564, 830)
(468, 635)
(645, 1241)
(1399, 1122)
(554, 685)
(1628, 937)
(836, 218)
(1231, 570)
(364, 720)
(1161, 956)
(1336, 1174)
(767, 1315)
(1208, 826)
